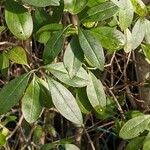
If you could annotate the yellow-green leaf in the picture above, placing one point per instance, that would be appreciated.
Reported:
(18, 55)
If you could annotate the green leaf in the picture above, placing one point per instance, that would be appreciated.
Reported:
(138, 33)
(18, 19)
(75, 6)
(59, 71)
(45, 96)
(110, 38)
(49, 146)
(101, 12)
(128, 44)
(146, 50)
(71, 147)
(147, 31)
(58, 12)
(41, 18)
(54, 46)
(4, 61)
(92, 49)
(139, 7)
(2, 139)
(73, 57)
(11, 93)
(136, 143)
(65, 102)
(39, 3)
(83, 102)
(146, 143)
(126, 13)
(134, 127)
(92, 3)
(45, 32)
(2, 28)
(43, 37)
(38, 133)
(31, 107)
(95, 93)
(18, 55)
(50, 27)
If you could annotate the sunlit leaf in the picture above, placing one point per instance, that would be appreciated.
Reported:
(18, 55)
(39, 3)
(75, 6)
(65, 102)
(95, 93)
(134, 127)
(73, 57)
(18, 19)
(59, 71)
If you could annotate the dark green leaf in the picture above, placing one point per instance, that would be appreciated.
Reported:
(59, 71)
(11, 93)
(83, 102)
(57, 12)
(134, 127)
(92, 49)
(65, 102)
(54, 46)
(146, 143)
(41, 18)
(2, 28)
(49, 146)
(136, 143)
(18, 20)
(73, 57)
(31, 107)
(18, 55)
(45, 96)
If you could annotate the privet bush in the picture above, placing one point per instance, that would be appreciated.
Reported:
(70, 57)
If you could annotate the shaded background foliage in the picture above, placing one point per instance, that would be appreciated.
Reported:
(74, 74)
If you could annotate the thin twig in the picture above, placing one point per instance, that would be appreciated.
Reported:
(7, 43)
(118, 105)
(90, 141)
(16, 128)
